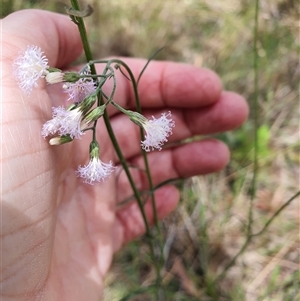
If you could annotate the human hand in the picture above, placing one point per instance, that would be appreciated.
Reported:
(59, 234)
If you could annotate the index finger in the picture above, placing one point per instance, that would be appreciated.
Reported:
(167, 84)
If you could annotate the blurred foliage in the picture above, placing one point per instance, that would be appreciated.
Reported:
(241, 142)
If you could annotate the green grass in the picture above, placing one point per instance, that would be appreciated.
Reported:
(209, 226)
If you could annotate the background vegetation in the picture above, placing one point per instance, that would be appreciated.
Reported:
(208, 228)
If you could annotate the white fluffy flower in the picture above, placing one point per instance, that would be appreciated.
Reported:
(95, 171)
(80, 89)
(29, 67)
(64, 122)
(157, 131)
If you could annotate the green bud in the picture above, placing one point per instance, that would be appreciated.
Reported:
(94, 149)
(52, 69)
(72, 107)
(71, 77)
(87, 103)
(137, 118)
(95, 114)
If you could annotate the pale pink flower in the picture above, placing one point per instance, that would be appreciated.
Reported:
(80, 89)
(95, 171)
(29, 67)
(157, 131)
(64, 123)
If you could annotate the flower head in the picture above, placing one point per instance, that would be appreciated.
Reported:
(157, 131)
(29, 67)
(80, 89)
(64, 122)
(96, 170)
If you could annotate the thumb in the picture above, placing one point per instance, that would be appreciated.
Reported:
(55, 34)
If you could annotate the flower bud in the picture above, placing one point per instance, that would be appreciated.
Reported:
(60, 140)
(95, 114)
(54, 77)
(94, 149)
(87, 103)
(71, 77)
(137, 118)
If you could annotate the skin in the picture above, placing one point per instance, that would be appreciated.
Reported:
(58, 235)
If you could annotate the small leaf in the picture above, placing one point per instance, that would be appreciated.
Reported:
(80, 13)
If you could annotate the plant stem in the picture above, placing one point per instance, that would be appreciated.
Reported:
(250, 237)
(267, 224)
(85, 42)
(255, 112)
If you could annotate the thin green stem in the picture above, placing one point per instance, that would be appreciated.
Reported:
(83, 34)
(255, 112)
(137, 292)
(250, 237)
(95, 75)
(267, 224)
(126, 169)
(149, 60)
(255, 156)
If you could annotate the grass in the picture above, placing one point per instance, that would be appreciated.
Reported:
(209, 226)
